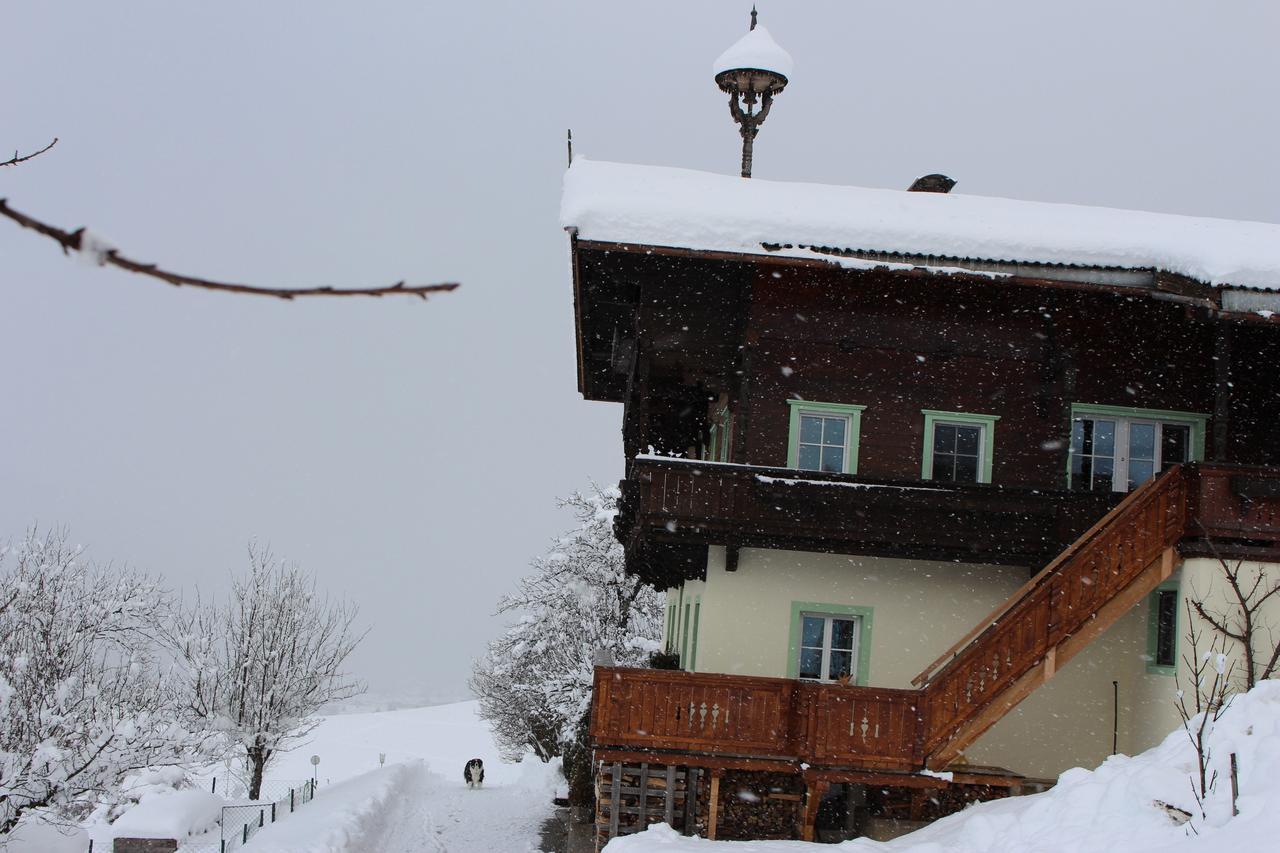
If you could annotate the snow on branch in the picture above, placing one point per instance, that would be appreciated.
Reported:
(82, 241)
(16, 159)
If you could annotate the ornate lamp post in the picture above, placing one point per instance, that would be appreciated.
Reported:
(752, 72)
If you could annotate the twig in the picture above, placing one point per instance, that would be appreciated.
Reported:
(71, 241)
(15, 159)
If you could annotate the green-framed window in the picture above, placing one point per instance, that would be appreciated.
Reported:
(1117, 448)
(824, 436)
(829, 640)
(959, 447)
(1162, 629)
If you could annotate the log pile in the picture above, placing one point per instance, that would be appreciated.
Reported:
(631, 797)
(755, 805)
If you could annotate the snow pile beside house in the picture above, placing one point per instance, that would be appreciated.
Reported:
(1115, 807)
(649, 205)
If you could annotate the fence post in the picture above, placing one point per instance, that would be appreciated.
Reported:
(273, 812)
(244, 833)
(290, 800)
(214, 789)
(261, 816)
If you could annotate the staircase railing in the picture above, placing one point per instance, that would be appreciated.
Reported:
(1058, 602)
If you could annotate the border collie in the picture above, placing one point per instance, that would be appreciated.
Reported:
(473, 773)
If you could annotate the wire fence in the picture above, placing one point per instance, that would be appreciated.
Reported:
(241, 822)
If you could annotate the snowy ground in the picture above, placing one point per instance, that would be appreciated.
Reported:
(416, 803)
(1110, 808)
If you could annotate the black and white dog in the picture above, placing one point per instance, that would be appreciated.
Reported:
(473, 773)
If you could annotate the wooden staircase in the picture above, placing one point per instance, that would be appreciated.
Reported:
(1067, 605)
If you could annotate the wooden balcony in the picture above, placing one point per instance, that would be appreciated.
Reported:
(758, 721)
(673, 508)
(1218, 509)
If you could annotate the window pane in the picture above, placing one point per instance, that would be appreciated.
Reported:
(966, 469)
(944, 438)
(841, 664)
(811, 663)
(944, 467)
(1166, 626)
(811, 631)
(1142, 441)
(1080, 430)
(842, 633)
(1174, 441)
(1140, 470)
(1104, 438)
(810, 429)
(833, 431)
(833, 459)
(967, 440)
(810, 456)
(1103, 471)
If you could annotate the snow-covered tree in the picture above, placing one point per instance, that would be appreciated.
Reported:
(260, 664)
(82, 700)
(534, 683)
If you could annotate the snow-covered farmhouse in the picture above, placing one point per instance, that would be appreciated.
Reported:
(928, 478)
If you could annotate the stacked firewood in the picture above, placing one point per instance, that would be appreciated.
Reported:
(756, 805)
(630, 797)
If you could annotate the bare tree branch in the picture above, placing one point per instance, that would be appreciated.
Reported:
(74, 241)
(15, 159)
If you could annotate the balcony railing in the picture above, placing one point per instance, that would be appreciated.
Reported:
(762, 718)
(668, 503)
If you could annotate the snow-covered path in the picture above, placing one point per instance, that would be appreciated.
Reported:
(418, 803)
(405, 808)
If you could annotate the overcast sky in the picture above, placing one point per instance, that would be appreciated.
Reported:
(410, 454)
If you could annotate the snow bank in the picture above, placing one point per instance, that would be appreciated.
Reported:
(176, 814)
(658, 206)
(360, 814)
(1111, 808)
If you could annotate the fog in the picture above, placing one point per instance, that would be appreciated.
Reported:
(410, 454)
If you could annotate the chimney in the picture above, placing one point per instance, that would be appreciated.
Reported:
(934, 183)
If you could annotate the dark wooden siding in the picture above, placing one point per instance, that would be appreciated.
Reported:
(900, 345)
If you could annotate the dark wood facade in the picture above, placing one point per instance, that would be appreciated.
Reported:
(669, 333)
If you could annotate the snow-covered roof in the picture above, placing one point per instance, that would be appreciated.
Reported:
(657, 206)
(756, 50)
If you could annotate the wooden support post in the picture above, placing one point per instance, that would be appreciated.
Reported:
(731, 558)
(713, 807)
(916, 809)
(1168, 558)
(643, 802)
(813, 799)
(691, 777)
(615, 799)
(1050, 662)
(671, 796)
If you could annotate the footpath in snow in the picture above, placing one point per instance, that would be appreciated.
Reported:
(418, 803)
(1110, 808)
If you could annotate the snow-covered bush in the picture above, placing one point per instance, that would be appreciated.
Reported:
(258, 666)
(82, 699)
(534, 683)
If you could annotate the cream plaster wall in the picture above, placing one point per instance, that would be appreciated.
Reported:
(919, 609)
